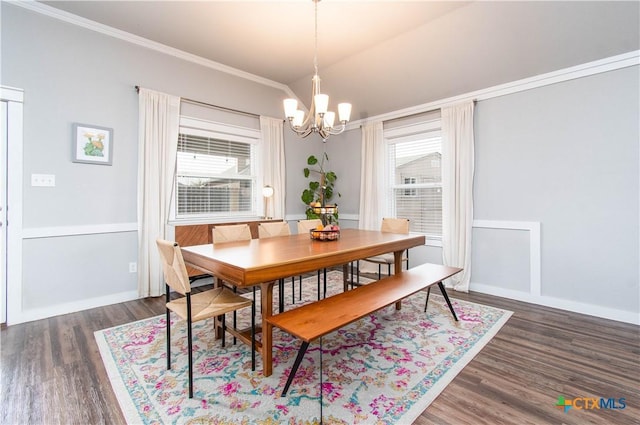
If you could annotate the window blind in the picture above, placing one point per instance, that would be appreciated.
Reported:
(213, 176)
(416, 181)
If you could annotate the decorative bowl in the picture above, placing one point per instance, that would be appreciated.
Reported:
(325, 235)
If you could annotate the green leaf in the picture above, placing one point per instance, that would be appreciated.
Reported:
(314, 185)
(331, 176)
(312, 160)
(306, 172)
(307, 196)
(328, 193)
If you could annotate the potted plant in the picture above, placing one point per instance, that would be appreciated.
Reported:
(318, 195)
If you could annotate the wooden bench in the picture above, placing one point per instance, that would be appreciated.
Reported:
(311, 321)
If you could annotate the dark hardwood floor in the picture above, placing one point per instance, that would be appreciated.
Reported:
(51, 371)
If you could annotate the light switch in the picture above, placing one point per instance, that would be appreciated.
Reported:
(44, 180)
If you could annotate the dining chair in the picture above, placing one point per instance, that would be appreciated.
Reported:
(232, 233)
(304, 227)
(389, 225)
(199, 306)
(270, 230)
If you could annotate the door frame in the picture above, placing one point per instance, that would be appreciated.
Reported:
(13, 307)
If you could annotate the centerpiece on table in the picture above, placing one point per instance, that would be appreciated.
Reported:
(317, 198)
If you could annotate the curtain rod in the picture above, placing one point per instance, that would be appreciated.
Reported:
(222, 108)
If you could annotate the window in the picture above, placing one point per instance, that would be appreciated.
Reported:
(415, 178)
(215, 171)
(410, 181)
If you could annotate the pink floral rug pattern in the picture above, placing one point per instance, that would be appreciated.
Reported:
(384, 369)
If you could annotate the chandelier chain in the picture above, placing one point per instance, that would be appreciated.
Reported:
(315, 54)
(319, 119)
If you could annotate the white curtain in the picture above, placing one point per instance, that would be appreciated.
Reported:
(372, 180)
(372, 183)
(457, 191)
(273, 164)
(159, 117)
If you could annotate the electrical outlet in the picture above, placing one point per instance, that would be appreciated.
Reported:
(133, 267)
(44, 180)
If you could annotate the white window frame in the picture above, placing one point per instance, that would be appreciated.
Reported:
(217, 130)
(409, 133)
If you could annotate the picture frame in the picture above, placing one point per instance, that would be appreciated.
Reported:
(91, 144)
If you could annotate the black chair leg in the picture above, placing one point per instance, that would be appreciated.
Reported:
(253, 337)
(190, 345)
(293, 290)
(281, 295)
(168, 298)
(224, 328)
(324, 272)
(318, 285)
(300, 289)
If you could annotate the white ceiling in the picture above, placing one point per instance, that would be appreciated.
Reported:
(259, 37)
(381, 55)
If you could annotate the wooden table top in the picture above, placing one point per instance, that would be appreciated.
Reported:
(252, 262)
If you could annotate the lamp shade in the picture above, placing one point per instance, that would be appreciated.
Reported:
(322, 103)
(290, 107)
(267, 191)
(344, 111)
(329, 118)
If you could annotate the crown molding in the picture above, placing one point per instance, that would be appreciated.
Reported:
(61, 15)
(590, 68)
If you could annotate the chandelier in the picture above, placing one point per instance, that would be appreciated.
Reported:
(319, 120)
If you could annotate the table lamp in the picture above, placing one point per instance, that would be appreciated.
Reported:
(267, 192)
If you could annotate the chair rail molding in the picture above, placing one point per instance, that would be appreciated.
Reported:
(534, 295)
(88, 229)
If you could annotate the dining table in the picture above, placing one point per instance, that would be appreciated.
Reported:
(263, 262)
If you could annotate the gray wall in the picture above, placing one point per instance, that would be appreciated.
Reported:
(71, 74)
(566, 155)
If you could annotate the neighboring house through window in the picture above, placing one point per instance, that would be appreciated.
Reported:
(414, 178)
(216, 171)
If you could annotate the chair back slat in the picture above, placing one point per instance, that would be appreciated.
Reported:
(231, 233)
(175, 272)
(304, 226)
(269, 230)
(395, 225)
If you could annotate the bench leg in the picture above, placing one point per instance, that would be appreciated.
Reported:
(294, 369)
(446, 298)
(427, 302)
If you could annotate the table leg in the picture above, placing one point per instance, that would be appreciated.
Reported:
(397, 256)
(266, 304)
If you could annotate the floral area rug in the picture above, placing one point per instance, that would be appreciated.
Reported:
(384, 369)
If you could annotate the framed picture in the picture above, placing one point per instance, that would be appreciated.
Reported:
(91, 144)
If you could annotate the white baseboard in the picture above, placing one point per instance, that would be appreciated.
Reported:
(561, 304)
(72, 307)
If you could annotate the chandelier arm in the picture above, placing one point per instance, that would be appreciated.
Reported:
(335, 131)
(302, 132)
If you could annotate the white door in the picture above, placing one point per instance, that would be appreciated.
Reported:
(3, 212)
